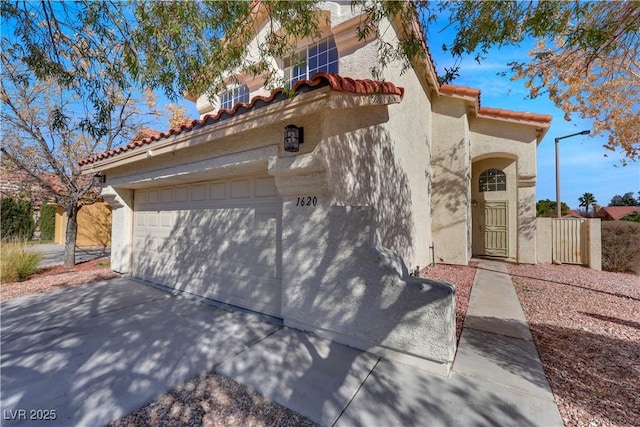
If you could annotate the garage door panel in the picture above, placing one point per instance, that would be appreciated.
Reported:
(219, 240)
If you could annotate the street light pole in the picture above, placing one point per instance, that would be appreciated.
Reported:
(558, 203)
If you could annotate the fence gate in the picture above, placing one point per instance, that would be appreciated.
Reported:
(570, 240)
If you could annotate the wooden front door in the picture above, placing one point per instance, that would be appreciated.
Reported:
(494, 229)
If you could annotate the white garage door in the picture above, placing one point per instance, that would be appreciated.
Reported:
(218, 239)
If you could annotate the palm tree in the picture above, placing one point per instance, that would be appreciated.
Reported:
(587, 200)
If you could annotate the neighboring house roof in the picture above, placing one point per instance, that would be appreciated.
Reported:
(573, 214)
(319, 80)
(17, 183)
(612, 213)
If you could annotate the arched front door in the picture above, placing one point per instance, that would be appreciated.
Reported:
(492, 202)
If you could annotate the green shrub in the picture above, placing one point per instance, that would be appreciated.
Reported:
(621, 246)
(18, 261)
(47, 222)
(634, 217)
(17, 219)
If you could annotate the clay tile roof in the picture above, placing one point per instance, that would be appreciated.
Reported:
(618, 212)
(460, 91)
(318, 80)
(516, 115)
(467, 92)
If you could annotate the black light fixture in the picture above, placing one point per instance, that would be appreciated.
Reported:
(293, 137)
(98, 180)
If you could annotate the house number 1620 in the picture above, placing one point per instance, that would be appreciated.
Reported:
(307, 201)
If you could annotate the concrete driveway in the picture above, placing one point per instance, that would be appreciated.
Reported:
(94, 353)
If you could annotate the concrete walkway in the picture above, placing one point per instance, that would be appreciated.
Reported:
(94, 353)
(497, 377)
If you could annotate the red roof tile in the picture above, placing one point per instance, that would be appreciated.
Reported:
(573, 214)
(318, 80)
(617, 212)
(460, 90)
(467, 92)
(516, 115)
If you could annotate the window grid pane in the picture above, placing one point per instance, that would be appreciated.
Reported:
(322, 56)
(492, 180)
(234, 96)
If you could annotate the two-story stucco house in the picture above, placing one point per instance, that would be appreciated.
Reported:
(315, 208)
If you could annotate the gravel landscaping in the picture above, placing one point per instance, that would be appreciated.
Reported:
(213, 400)
(58, 277)
(586, 326)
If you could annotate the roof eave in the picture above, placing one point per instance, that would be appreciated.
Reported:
(322, 99)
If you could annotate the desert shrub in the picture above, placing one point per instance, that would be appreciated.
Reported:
(17, 219)
(634, 217)
(18, 261)
(47, 222)
(621, 246)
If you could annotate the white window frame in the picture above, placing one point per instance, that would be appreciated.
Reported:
(235, 95)
(319, 56)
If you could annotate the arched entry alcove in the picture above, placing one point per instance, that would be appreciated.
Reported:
(494, 206)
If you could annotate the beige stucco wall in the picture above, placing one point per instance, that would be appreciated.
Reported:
(595, 243)
(450, 198)
(336, 255)
(121, 203)
(376, 160)
(544, 240)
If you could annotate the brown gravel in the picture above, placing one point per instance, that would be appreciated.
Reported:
(58, 277)
(462, 277)
(586, 326)
(212, 400)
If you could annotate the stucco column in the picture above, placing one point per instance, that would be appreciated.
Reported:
(595, 243)
(121, 202)
(451, 191)
(527, 219)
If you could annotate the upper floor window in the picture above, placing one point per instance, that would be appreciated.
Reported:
(322, 56)
(493, 180)
(233, 96)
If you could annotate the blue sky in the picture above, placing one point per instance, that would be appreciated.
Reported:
(583, 165)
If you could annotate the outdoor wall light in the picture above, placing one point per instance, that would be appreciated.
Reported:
(558, 204)
(98, 180)
(293, 137)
